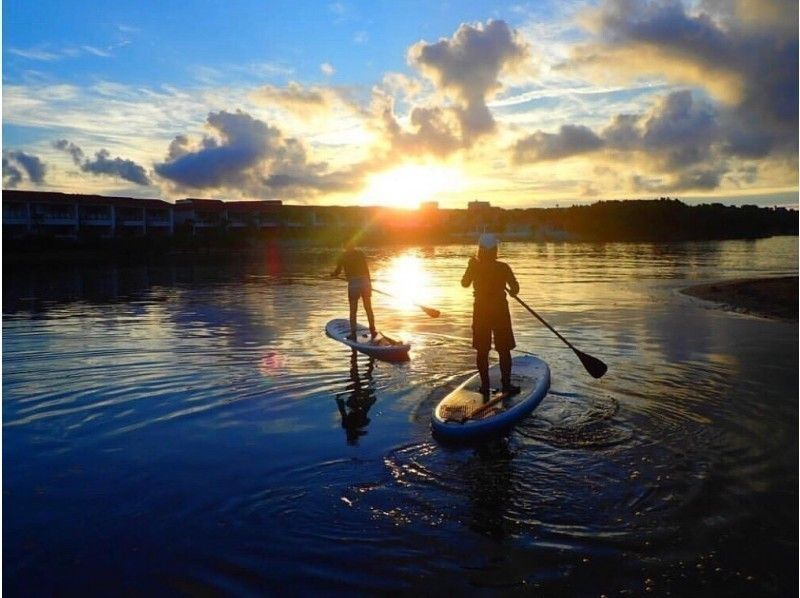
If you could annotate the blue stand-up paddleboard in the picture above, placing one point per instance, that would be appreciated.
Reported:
(381, 347)
(465, 414)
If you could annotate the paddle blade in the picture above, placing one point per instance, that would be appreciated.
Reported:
(594, 366)
(434, 313)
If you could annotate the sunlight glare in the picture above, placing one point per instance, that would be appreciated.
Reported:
(409, 185)
(408, 282)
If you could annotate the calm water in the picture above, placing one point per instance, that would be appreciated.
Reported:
(190, 429)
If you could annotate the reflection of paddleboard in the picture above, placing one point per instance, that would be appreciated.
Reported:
(461, 415)
(381, 346)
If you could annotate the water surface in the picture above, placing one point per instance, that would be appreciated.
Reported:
(189, 428)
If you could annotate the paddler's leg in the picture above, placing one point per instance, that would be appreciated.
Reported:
(481, 342)
(504, 341)
(367, 297)
(505, 372)
(353, 309)
(482, 361)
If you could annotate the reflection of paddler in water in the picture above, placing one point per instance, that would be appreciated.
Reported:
(359, 285)
(487, 477)
(361, 398)
(490, 316)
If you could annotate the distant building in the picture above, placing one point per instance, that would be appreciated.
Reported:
(429, 206)
(69, 216)
(478, 205)
(202, 215)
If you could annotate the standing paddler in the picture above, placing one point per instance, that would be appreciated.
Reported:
(490, 316)
(359, 285)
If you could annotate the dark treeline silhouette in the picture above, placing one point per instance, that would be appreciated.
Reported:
(665, 219)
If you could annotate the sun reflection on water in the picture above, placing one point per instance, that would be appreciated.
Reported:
(407, 281)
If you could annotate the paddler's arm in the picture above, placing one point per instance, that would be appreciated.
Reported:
(511, 282)
(339, 263)
(468, 277)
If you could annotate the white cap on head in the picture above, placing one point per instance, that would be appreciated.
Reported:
(487, 241)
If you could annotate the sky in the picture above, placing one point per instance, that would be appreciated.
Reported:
(399, 102)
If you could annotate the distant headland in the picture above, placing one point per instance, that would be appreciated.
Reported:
(35, 221)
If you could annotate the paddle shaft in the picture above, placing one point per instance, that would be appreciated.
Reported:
(484, 407)
(434, 313)
(538, 317)
(594, 366)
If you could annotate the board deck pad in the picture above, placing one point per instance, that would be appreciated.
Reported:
(452, 416)
(468, 399)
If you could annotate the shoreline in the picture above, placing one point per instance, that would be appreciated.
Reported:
(774, 298)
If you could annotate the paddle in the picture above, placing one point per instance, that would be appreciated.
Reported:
(594, 366)
(434, 313)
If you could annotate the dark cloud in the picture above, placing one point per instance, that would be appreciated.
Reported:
(247, 154)
(681, 130)
(70, 148)
(680, 138)
(12, 176)
(117, 167)
(15, 162)
(569, 141)
(244, 143)
(178, 147)
(103, 164)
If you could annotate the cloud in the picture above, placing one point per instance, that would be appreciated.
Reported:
(742, 64)
(680, 138)
(744, 53)
(72, 149)
(248, 155)
(102, 164)
(35, 54)
(305, 101)
(467, 68)
(47, 54)
(465, 72)
(569, 141)
(15, 162)
(327, 69)
(117, 167)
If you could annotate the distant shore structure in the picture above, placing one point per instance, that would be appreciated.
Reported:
(50, 215)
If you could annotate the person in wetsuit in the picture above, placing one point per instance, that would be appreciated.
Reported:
(490, 316)
(359, 285)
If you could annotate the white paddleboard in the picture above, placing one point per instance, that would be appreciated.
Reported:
(461, 415)
(381, 346)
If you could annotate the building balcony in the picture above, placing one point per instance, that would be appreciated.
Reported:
(55, 220)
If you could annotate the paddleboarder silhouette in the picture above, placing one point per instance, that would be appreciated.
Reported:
(359, 285)
(490, 279)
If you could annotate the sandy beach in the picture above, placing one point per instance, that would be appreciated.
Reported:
(767, 297)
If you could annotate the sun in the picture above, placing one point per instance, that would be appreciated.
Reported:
(408, 185)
